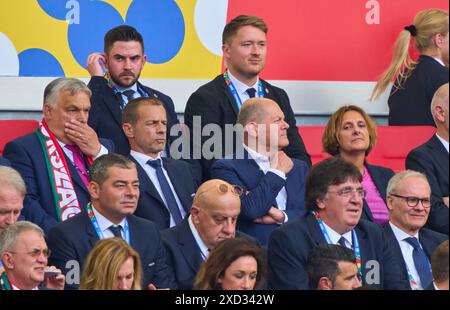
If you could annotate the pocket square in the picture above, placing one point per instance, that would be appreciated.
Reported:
(151, 264)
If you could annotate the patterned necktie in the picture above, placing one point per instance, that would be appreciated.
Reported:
(79, 163)
(116, 230)
(251, 92)
(420, 262)
(342, 242)
(167, 191)
(129, 93)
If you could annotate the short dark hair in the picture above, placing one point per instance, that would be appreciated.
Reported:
(240, 21)
(439, 263)
(323, 261)
(99, 169)
(122, 33)
(331, 171)
(131, 111)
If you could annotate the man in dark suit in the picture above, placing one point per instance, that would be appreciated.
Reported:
(54, 161)
(4, 162)
(431, 159)
(409, 205)
(275, 183)
(166, 185)
(334, 198)
(219, 101)
(124, 60)
(213, 217)
(439, 265)
(12, 193)
(114, 190)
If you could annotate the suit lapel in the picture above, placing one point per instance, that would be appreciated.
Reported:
(314, 229)
(90, 232)
(146, 183)
(112, 103)
(426, 243)
(222, 85)
(178, 186)
(267, 93)
(189, 247)
(392, 241)
(439, 152)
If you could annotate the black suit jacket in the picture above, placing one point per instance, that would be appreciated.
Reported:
(289, 247)
(380, 177)
(410, 105)
(4, 162)
(105, 116)
(216, 105)
(151, 206)
(429, 240)
(431, 159)
(73, 239)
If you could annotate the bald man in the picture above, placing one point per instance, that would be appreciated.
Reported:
(273, 182)
(431, 158)
(212, 219)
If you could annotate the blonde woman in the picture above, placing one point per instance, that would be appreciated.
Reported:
(415, 82)
(112, 265)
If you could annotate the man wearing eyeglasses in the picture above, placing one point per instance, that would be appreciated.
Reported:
(24, 254)
(334, 200)
(409, 204)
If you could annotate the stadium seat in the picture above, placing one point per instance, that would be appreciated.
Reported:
(12, 129)
(394, 143)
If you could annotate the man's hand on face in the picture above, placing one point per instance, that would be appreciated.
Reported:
(93, 66)
(83, 136)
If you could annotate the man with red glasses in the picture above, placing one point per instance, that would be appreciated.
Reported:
(24, 254)
(409, 205)
(334, 200)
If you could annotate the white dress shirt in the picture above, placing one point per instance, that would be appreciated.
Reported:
(204, 252)
(444, 143)
(142, 159)
(105, 224)
(335, 236)
(407, 251)
(241, 88)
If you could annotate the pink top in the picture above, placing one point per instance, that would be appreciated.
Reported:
(374, 200)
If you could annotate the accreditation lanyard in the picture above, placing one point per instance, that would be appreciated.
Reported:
(4, 283)
(233, 90)
(414, 285)
(94, 222)
(354, 237)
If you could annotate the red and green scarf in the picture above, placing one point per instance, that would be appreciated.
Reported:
(64, 195)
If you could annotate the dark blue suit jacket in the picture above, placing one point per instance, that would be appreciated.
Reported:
(380, 176)
(73, 240)
(105, 116)
(263, 189)
(289, 247)
(27, 157)
(4, 162)
(429, 240)
(431, 159)
(183, 253)
(151, 206)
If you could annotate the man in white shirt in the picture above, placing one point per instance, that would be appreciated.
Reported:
(408, 200)
(24, 254)
(432, 159)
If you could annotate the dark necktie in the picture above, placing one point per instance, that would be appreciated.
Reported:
(342, 242)
(420, 262)
(167, 191)
(129, 93)
(251, 92)
(116, 230)
(79, 163)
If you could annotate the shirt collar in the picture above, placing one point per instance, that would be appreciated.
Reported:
(103, 222)
(241, 88)
(400, 235)
(445, 143)
(439, 61)
(15, 288)
(203, 248)
(335, 236)
(142, 159)
(122, 89)
(256, 156)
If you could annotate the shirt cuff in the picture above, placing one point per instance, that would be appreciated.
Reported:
(103, 151)
(279, 173)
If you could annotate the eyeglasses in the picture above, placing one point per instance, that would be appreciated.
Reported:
(412, 202)
(35, 253)
(348, 192)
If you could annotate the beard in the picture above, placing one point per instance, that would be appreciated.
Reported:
(116, 80)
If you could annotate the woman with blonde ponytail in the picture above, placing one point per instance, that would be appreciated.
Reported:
(415, 82)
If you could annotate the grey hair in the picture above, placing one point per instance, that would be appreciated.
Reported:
(10, 176)
(398, 177)
(440, 97)
(8, 237)
(72, 85)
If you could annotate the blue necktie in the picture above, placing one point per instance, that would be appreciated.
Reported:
(251, 92)
(167, 191)
(420, 262)
(130, 96)
(116, 230)
(341, 242)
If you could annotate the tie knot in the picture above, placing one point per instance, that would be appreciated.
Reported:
(413, 242)
(342, 242)
(154, 163)
(129, 93)
(116, 230)
(251, 92)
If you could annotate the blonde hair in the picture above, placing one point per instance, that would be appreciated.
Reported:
(104, 262)
(427, 23)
